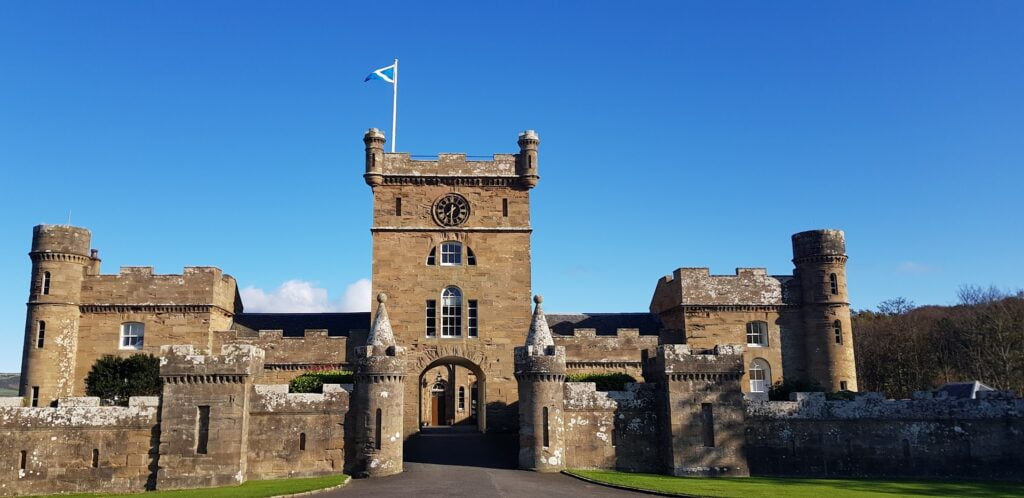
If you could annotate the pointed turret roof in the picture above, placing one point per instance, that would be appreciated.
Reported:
(540, 334)
(381, 334)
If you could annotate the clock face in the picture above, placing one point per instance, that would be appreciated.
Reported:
(451, 210)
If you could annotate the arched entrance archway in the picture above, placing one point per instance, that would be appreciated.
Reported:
(452, 392)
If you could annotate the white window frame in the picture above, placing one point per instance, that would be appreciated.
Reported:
(451, 312)
(472, 317)
(462, 398)
(761, 380)
(451, 253)
(760, 336)
(133, 335)
(431, 318)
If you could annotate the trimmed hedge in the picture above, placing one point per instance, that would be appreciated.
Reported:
(605, 381)
(313, 382)
(114, 379)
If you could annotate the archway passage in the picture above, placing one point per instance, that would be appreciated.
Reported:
(451, 396)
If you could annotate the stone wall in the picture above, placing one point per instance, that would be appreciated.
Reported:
(587, 352)
(78, 446)
(296, 435)
(611, 430)
(932, 437)
(288, 357)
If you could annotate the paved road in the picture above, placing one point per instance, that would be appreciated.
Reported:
(477, 465)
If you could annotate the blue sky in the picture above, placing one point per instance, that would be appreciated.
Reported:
(673, 134)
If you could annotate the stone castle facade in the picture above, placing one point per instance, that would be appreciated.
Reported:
(451, 340)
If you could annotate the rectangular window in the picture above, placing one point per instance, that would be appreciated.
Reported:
(302, 441)
(833, 283)
(757, 381)
(40, 333)
(24, 460)
(757, 334)
(431, 318)
(46, 283)
(504, 207)
(471, 324)
(707, 422)
(378, 432)
(202, 429)
(132, 335)
(35, 396)
(547, 440)
(95, 458)
(398, 206)
(842, 385)
(451, 254)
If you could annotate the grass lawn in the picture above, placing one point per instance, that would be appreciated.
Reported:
(251, 489)
(797, 487)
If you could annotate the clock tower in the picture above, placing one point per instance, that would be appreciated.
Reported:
(451, 250)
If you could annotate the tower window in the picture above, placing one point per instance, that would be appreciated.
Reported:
(504, 207)
(707, 421)
(378, 432)
(462, 398)
(132, 334)
(760, 376)
(40, 333)
(432, 257)
(46, 283)
(202, 429)
(95, 458)
(431, 318)
(35, 396)
(302, 441)
(544, 421)
(24, 460)
(833, 283)
(398, 206)
(837, 327)
(451, 312)
(843, 385)
(470, 257)
(471, 318)
(451, 254)
(757, 334)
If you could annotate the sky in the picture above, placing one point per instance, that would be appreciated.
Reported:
(672, 134)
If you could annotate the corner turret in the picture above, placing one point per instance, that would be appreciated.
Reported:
(374, 140)
(526, 161)
(540, 372)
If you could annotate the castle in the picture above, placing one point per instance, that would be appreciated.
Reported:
(451, 340)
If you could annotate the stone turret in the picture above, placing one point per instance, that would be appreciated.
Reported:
(380, 372)
(374, 140)
(526, 161)
(540, 372)
(820, 260)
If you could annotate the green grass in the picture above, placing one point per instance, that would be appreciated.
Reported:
(797, 487)
(9, 384)
(251, 489)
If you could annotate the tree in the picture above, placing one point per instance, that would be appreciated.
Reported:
(114, 379)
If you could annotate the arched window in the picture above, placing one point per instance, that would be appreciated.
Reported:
(833, 282)
(462, 398)
(45, 283)
(760, 376)
(432, 257)
(470, 257)
(302, 441)
(40, 333)
(451, 312)
(132, 335)
(757, 334)
(837, 327)
(451, 254)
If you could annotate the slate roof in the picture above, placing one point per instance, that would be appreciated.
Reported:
(605, 323)
(294, 324)
(963, 390)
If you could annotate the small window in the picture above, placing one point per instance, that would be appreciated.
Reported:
(35, 396)
(833, 282)
(707, 422)
(842, 385)
(378, 432)
(431, 318)
(95, 458)
(470, 257)
(760, 376)
(504, 208)
(24, 460)
(46, 283)
(837, 327)
(462, 398)
(547, 440)
(451, 254)
(40, 333)
(432, 257)
(471, 318)
(202, 429)
(398, 206)
(757, 334)
(451, 312)
(302, 441)
(132, 335)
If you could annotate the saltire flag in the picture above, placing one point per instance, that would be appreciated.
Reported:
(385, 73)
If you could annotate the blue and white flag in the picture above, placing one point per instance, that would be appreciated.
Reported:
(385, 73)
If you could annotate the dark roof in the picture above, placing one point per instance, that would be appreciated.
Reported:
(963, 390)
(294, 324)
(605, 323)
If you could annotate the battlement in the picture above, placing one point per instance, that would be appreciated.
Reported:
(635, 397)
(63, 239)
(84, 412)
(275, 398)
(138, 285)
(813, 243)
(449, 164)
(235, 360)
(698, 287)
(874, 406)
(678, 360)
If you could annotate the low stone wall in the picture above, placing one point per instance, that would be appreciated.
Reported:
(296, 435)
(613, 429)
(587, 352)
(288, 357)
(78, 446)
(932, 437)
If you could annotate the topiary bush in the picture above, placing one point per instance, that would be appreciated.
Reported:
(614, 381)
(114, 379)
(313, 382)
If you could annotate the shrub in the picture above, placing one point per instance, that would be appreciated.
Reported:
(114, 379)
(313, 382)
(780, 391)
(615, 381)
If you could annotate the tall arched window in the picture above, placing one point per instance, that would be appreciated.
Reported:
(451, 312)
(45, 284)
(451, 254)
(40, 333)
(757, 334)
(837, 327)
(302, 441)
(760, 376)
(833, 283)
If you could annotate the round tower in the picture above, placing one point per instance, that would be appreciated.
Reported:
(378, 400)
(526, 162)
(374, 140)
(60, 255)
(540, 373)
(820, 260)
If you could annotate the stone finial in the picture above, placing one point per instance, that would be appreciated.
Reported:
(540, 334)
(381, 334)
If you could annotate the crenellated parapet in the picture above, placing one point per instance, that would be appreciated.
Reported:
(186, 364)
(721, 367)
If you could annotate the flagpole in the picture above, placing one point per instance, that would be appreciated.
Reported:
(394, 110)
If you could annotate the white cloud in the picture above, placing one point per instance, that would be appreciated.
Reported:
(913, 267)
(300, 296)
